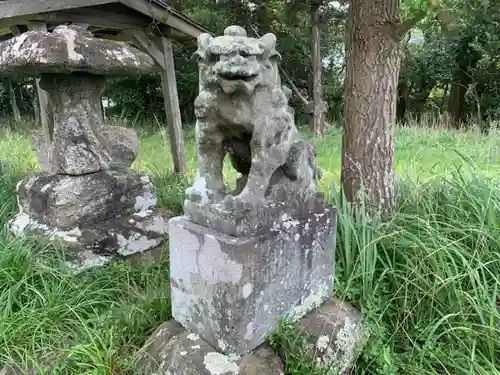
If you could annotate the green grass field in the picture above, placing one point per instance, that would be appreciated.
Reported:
(427, 281)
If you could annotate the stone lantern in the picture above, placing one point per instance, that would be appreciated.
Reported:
(86, 197)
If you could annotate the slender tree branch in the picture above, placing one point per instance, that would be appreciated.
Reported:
(403, 27)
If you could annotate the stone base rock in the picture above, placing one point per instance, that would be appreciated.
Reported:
(333, 334)
(67, 201)
(174, 351)
(258, 219)
(94, 217)
(232, 291)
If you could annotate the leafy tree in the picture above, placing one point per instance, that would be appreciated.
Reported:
(459, 56)
(320, 13)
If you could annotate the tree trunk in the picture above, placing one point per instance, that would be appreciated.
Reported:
(373, 62)
(402, 104)
(420, 100)
(13, 102)
(318, 121)
(466, 59)
(445, 94)
(456, 102)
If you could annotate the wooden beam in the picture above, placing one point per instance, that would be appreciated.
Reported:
(172, 110)
(15, 30)
(13, 101)
(43, 99)
(163, 16)
(103, 18)
(93, 17)
(147, 45)
(5, 31)
(120, 37)
(17, 8)
(81, 24)
(7, 23)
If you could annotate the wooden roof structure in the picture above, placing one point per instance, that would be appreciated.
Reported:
(150, 25)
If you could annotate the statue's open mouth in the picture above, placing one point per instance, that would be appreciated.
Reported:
(237, 77)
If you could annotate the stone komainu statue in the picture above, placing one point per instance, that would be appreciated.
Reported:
(242, 109)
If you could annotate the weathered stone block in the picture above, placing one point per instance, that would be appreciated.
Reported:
(333, 334)
(232, 291)
(122, 143)
(95, 217)
(80, 142)
(259, 219)
(65, 201)
(71, 48)
(171, 350)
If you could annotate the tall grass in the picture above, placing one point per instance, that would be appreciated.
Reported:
(89, 324)
(426, 281)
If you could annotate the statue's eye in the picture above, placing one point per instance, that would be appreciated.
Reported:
(244, 54)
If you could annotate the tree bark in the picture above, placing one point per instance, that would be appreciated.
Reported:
(318, 121)
(456, 102)
(13, 101)
(373, 62)
(403, 102)
(466, 59)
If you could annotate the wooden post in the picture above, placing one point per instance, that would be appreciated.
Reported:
(13, 102)
(318, 121)
(10, 88)
(81, 24)
(43, 99)
(36, 105)
(172, 109)
(165, 59)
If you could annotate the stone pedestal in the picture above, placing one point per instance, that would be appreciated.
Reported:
(232, 291)
(95, 217)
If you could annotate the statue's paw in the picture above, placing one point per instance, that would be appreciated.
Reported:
(242, 203)
(236, 203)
(217, 196)
(193, 195)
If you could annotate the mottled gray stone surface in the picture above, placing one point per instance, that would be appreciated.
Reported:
(171, 350)
(80, 142)
(68, 49)
(39, 145)
(122, 144)
(334, 333)
(65, 201)
(242, 110)
(72, 65)
(95, 217)
(232, 291)
(260, 219)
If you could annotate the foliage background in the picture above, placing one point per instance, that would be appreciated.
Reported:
(455, 50)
